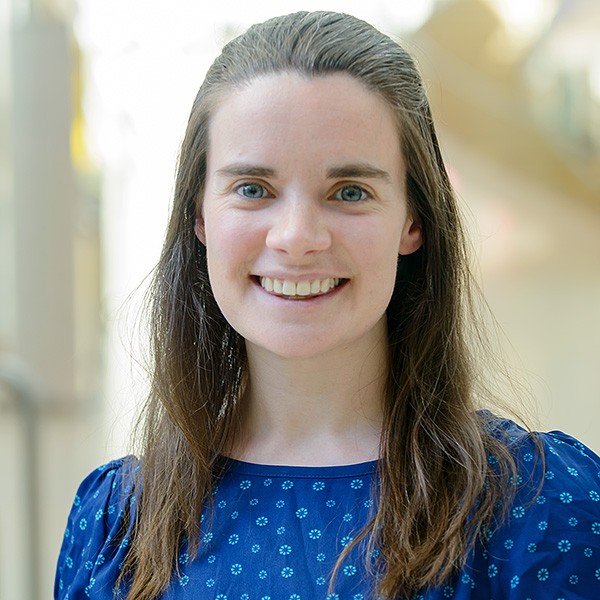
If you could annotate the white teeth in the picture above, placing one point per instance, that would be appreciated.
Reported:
(289, 288)
(286, 287)
(303, 288)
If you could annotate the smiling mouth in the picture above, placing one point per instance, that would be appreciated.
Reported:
(299, 290)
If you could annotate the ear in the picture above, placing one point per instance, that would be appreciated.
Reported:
(199, 230)
(412, 238)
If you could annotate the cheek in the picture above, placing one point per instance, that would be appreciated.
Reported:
(381, 261)
(380, 251)
(229, 246)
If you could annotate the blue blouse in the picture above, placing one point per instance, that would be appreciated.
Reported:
(277, 531)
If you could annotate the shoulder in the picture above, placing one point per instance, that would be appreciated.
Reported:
(551, 463)
(98, 527)
(550, 539)
(103, 495)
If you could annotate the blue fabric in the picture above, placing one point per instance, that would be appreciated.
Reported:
(277, 531)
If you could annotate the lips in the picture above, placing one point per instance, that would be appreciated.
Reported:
(299, 289)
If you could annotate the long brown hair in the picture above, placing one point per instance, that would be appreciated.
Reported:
(437, 491)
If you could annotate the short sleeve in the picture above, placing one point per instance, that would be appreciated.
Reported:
(97, 534)
(550, 545)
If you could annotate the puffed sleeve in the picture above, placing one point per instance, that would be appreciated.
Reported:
(97, 534)
(550, 545)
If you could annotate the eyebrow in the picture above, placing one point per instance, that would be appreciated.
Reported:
(246, 170)
(353, 170)
(359, 171)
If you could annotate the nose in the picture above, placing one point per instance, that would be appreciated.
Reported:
(299, 227)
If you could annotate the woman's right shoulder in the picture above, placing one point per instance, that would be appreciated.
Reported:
(98, 528)
(108, 487)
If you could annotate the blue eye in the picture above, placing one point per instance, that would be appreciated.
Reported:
(252, 191)
(351, 193)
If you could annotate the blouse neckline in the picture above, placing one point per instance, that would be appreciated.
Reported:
(301, 472)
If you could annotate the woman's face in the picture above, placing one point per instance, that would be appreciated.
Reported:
(304, 213)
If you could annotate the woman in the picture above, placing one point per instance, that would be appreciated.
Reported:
(312, 429)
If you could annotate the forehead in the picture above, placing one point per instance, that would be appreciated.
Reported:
(288, 114)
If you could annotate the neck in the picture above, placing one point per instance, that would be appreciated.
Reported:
(322, 410)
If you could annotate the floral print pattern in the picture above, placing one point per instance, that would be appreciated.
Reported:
(276, 533)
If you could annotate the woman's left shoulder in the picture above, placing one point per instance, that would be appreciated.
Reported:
(548, 461)
(569, 460)
(550, 538)
(557, 466)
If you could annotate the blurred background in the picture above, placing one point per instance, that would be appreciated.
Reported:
(94, 98)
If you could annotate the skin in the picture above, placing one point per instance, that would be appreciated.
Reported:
(306, 181)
